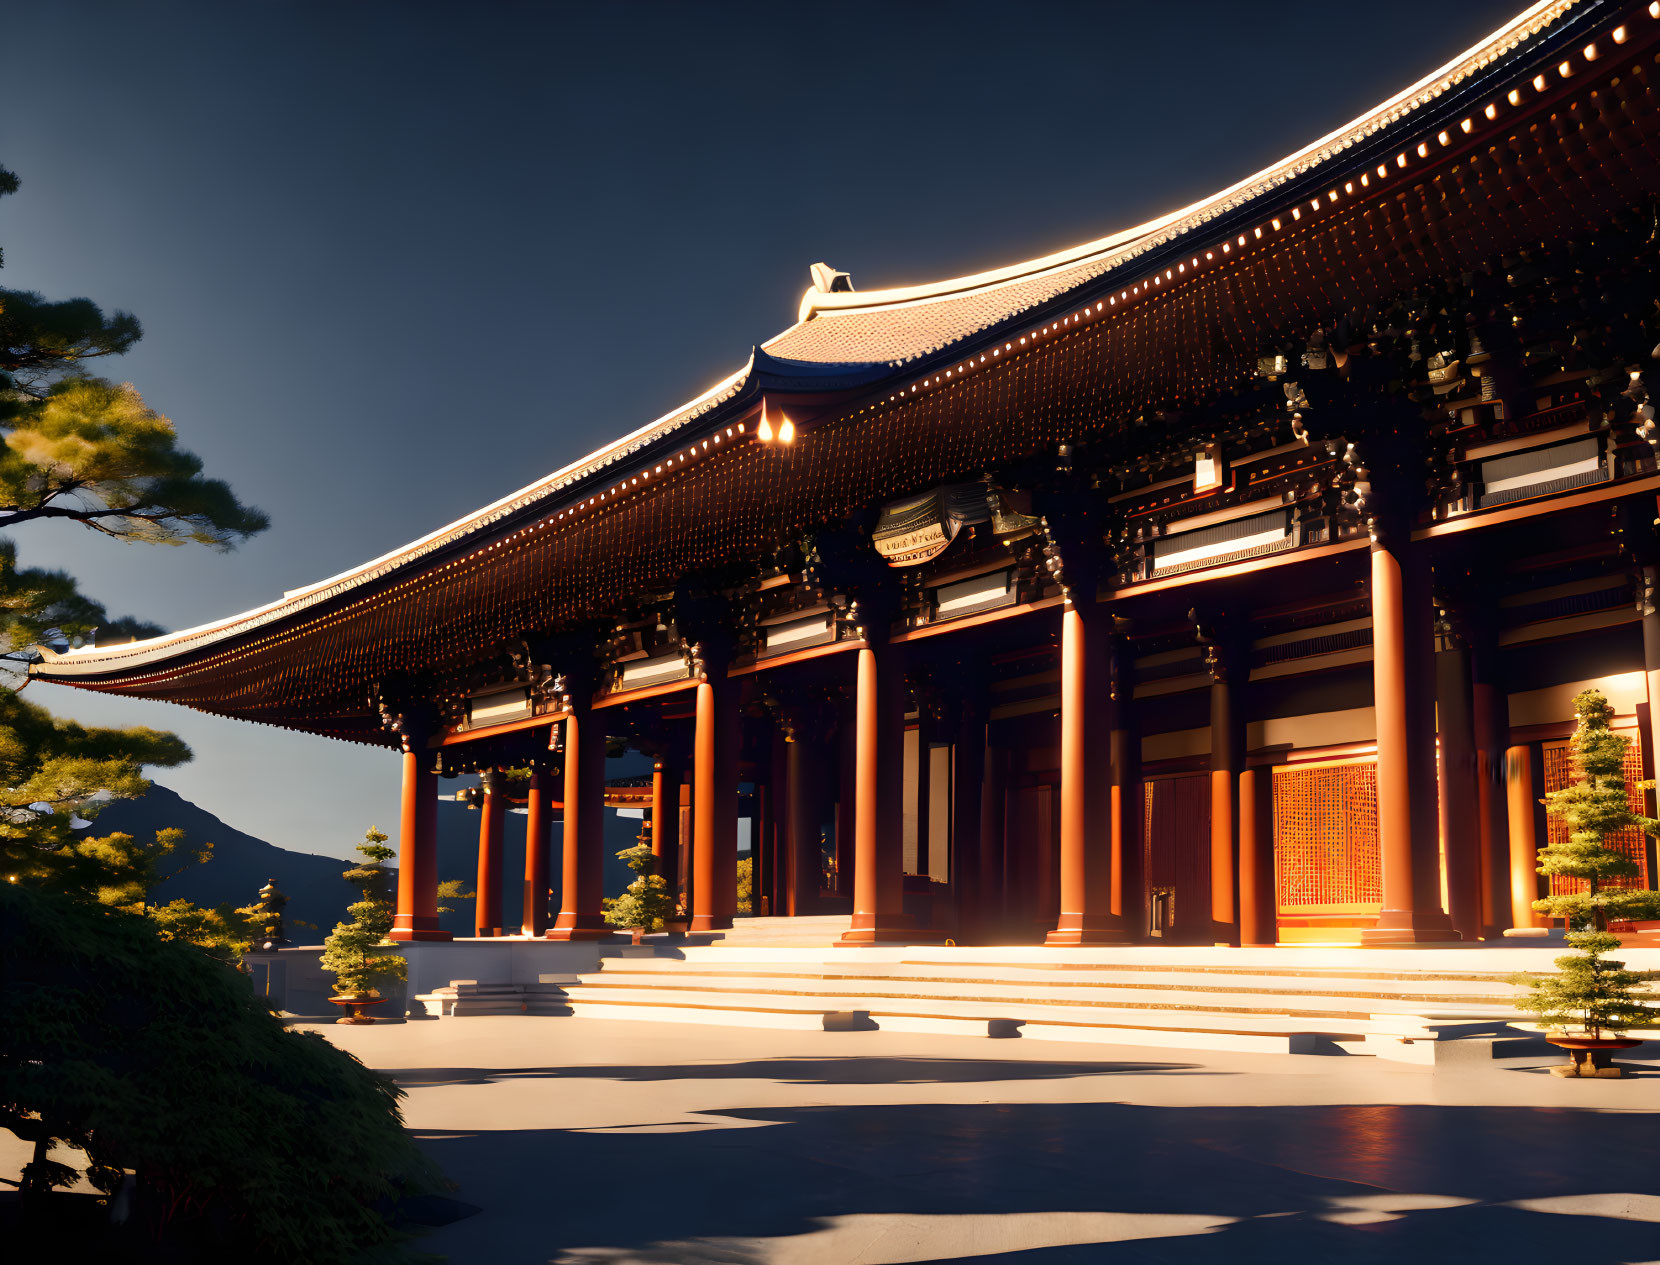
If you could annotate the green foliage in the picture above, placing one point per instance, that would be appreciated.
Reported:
(746, 883)
(54, 773)
(1592, 993)
(453, 889)
(357, 953)
(647, 903)
(1595, 807)
(241, 1136)
(94, 453)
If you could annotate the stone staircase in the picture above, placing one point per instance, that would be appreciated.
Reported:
(464, 998)
(1226, 1000)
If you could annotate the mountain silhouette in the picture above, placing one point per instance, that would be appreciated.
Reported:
(243, 863)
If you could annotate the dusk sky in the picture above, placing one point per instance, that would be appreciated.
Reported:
(394, 261)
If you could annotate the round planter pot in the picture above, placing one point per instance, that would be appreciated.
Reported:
(1591, 1056)
(355, 1006)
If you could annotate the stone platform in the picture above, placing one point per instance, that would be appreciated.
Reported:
(1432, 1005)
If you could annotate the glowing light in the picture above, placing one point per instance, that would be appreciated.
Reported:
(1492, 111)
(1465, 126)
(764, 430)
(1539, 82)
(1423, 150)
(1590, 52)
(1565, 69)
(1400, 159)
(1619, 34)
(786, 430)
(1443, 138)
(1514, 96)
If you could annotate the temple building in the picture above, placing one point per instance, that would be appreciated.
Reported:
(1222, 581)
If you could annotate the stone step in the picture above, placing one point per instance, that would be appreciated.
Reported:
(1347, 1026)
(854, 962)
(1197, 1033)
(1441, 992)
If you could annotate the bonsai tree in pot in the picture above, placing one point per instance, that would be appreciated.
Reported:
(358, 953)
(1594, 995)
(647, 903)
(1591, 1001)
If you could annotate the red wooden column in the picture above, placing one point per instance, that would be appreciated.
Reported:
(492, 809)
(1460, 822)
(416, 917)
(878, 827)
(991, 906)
(714, 803)
(968, 774)
(728, 741)
(1125, 799)
(538, 844)
(1258, 917)
(1491, 705)
(1227, 762)
(1086, 915)
(582, 879)
(665, 819)
(659, 813)
(846, 782)
(1403, 686)
(1522, 794)
(1646, 588)
(804, 783)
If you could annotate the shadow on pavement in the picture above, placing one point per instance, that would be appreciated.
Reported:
(1200, 1185)
(853, 1070)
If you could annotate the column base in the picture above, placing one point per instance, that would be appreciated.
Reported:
(1405, 926)
(893, 928)
(1088, 929)
(408, 927)
(859, 937)
(709, 922)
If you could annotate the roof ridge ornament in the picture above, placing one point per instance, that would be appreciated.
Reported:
(826, 280)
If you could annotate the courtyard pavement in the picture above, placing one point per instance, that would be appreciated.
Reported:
(587, 1142)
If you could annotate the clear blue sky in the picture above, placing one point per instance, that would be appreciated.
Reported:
(396, 260)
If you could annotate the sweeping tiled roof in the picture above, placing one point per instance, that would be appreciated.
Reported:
(842, 339)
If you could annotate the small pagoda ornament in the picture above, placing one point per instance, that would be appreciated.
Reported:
(266, 916)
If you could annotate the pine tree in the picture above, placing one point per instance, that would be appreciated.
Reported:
(1595, 807)
(647, 903)
(1592, 993)
(79, 449)
(357, 953)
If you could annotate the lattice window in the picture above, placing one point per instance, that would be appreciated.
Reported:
(1326, 836)
(1559, 775)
